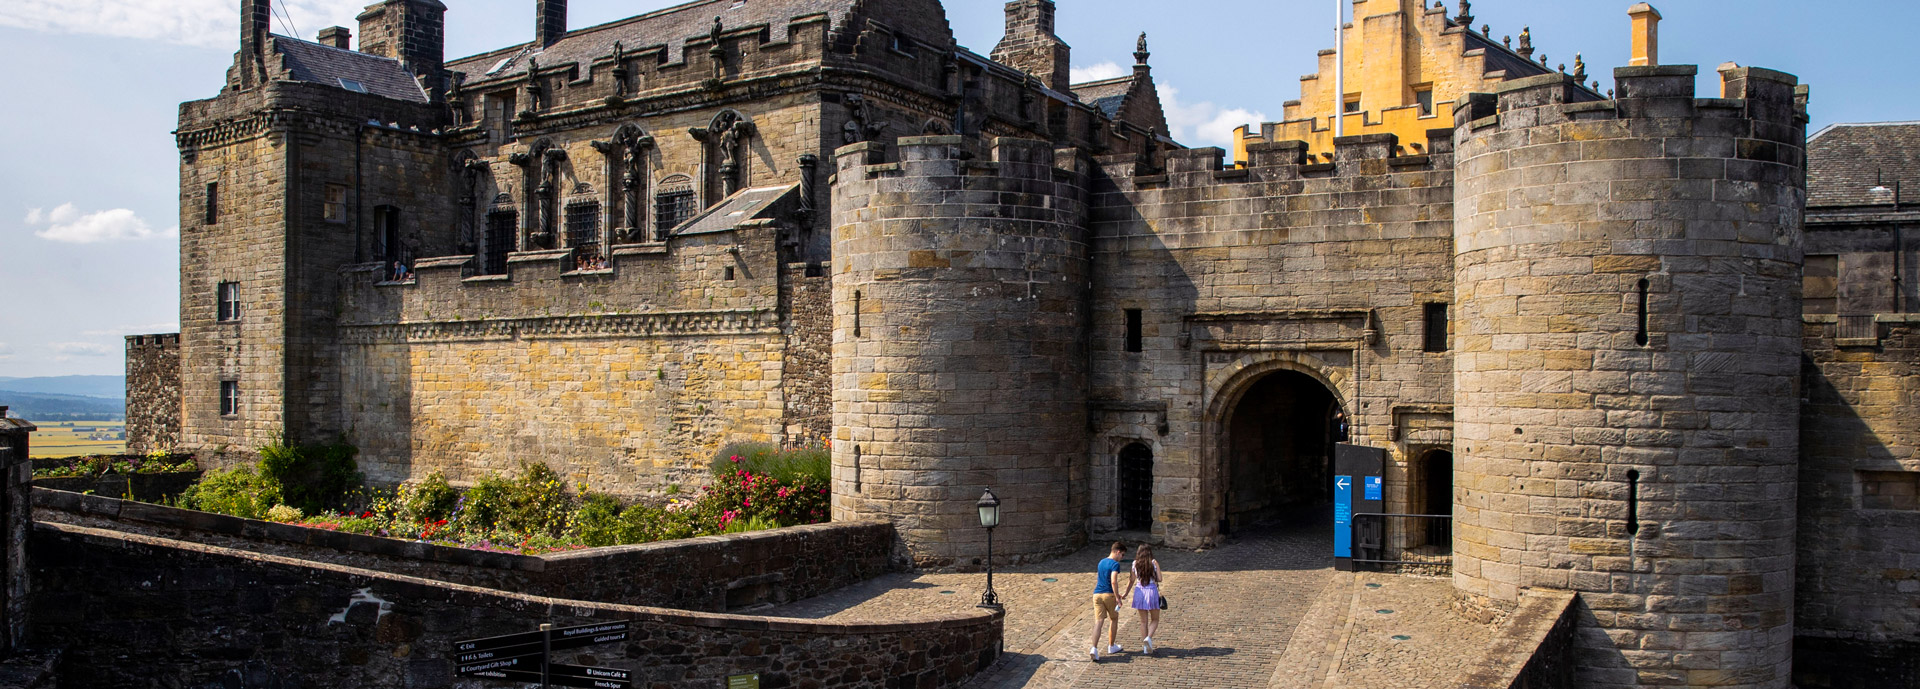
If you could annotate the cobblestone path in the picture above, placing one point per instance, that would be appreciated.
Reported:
(1233, 611)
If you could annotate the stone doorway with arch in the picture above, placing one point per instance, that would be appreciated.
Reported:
(1276, 443)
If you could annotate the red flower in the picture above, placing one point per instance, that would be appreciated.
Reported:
(735, 459)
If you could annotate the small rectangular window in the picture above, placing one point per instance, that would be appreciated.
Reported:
(213, 202)
(228, 295)
(1352, 106)
(1135, 328)
(1436, 328)
(334, 209)
(729, 273)
(583, 231)
(229, 397)
(1425, 98)
(503, 228)
(353, 86)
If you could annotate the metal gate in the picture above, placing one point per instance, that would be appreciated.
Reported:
(1136, 487)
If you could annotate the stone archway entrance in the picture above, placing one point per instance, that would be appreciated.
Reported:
(1279, 449)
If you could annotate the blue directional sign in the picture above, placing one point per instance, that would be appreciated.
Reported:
(1342, 516)
(1373, 488)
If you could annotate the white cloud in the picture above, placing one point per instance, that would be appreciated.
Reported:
(67, 350)
(206, 23)
(1099, 72)
(67, 224)
(6, 351)
(1204, 123)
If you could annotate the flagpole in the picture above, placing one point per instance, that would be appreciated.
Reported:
(1339, 68)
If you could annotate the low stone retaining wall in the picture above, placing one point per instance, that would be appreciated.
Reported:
(137, 610)
(143, 487)
(713, 573)
(1533, 649)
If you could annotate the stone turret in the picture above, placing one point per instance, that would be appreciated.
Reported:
(959, 346)
(411, 31)
(1626, 421)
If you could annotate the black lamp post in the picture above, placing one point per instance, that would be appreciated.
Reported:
(989, 517)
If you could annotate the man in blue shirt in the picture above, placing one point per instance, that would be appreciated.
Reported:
(1106, 603)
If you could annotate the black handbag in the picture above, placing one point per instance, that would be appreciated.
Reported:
(1163, 602)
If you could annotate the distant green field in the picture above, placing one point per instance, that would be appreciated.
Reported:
(79, 438)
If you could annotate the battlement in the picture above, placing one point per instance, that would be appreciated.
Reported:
(1760, 95)
(161, 341)
(956, 157)
(1280, 161)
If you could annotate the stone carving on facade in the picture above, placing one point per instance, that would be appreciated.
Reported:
(1465, 17)
(718, 53)
(627, 156)
(860, 126)
(535, 94)
(1140, 52)
(1526, 42)
(620, 72)
(472, 172)
(728, 134)
(542, 165)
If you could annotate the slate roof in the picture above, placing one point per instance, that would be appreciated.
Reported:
(672, 27)
(325, 64)
(1846, 161)
(743, 206)
(1108, 95)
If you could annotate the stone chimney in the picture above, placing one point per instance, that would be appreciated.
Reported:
(337, 36)
(1646, 36)
(411, 31)
(255, 21)
(550, 21)
(1031, 46)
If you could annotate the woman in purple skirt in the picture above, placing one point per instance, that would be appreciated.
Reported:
(1146, 595)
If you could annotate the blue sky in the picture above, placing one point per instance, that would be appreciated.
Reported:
(88, 192)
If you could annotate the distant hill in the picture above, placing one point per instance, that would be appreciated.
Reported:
(46, 407)
(113, 387)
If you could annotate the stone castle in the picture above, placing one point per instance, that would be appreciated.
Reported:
(1573, 320)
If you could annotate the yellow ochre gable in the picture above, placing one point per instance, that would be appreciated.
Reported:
(1406, 63)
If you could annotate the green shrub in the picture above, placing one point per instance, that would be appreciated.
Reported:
(430, 500)
(240, 491)
(812, 466)
(598, 521)
(313, 478)
(537, 502)
(750, 524)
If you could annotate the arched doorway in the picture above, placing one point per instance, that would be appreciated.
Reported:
(1436, 477)
(1136, 487)
(1280, 438)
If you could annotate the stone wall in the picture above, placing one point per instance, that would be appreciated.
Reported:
(806, 377)
(1628, 282)
(959, 327)
(153, 393)
(1323, 269)
(140, 611)
(1858, 579)
(736, 571)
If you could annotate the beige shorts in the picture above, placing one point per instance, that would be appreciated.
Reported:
(1105, 606)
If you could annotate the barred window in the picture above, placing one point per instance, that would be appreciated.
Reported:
(674, 204)
(583, 230)
(502, 230)
(228, 294)
(229, 397)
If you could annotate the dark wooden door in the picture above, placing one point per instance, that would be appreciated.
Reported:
(1136, 487)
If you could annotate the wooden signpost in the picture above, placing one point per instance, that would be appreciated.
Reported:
(526, 657)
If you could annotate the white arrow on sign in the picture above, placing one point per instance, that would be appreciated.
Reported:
(1342, 482)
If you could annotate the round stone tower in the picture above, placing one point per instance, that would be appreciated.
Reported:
(960, 295)
(1628, 291)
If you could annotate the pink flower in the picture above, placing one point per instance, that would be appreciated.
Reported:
(783, 492)
(735, 459)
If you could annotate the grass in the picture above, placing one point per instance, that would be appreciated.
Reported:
(58, 439)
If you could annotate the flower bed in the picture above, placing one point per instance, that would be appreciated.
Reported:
(532, 512)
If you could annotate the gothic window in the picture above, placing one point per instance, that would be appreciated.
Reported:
(229, 397)
(334, 209)
(502, 227)
(674, 203)
(583, 231)
(213, 203)
(228, 296)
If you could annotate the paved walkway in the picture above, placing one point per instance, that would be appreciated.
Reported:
(1233, 610)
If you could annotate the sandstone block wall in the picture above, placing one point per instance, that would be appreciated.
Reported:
(1857, 618)
(138, 610)
(1282, 266)
(1652, 468)
(153, 393)
(960, 293)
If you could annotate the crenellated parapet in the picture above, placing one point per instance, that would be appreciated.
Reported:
(960, 302)
(1628, 277)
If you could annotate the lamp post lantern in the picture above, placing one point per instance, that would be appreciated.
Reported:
(989, 517)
